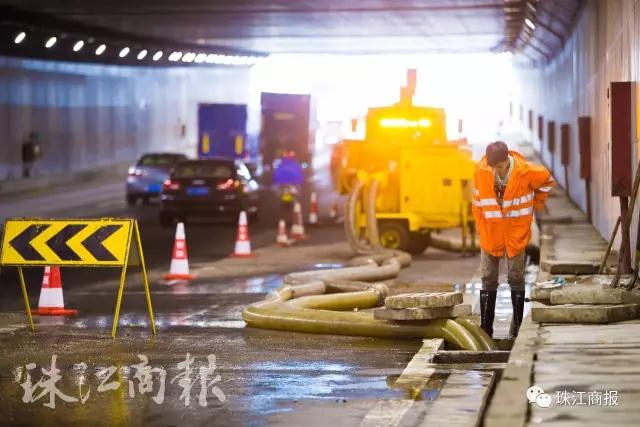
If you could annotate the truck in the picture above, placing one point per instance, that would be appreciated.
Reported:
(222, 131)
(418, 179)
(285, 129)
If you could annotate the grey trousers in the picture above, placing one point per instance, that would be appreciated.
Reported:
(490, 270)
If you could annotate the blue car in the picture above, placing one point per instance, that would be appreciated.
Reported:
(147, 175)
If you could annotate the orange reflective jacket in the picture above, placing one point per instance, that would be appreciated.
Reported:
(508, 228)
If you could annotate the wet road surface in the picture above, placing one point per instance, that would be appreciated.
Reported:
(265, 377)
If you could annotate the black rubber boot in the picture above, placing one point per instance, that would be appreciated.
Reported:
(487, 310)
(517, 302)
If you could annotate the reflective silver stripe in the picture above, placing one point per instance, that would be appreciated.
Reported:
(519, 212)
(476, 203)
(492, 214)
(518, 201)
(487, 202)
(545, 189)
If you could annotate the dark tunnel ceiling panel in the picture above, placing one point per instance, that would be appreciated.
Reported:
(333, 26)
(309, 26)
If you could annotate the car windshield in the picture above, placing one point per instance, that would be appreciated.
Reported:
(204, 170)
(158, 160)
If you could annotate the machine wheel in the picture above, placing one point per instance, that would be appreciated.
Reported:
(166, 220)
(394, 235)
(418, 243)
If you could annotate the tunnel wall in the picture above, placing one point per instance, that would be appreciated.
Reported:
(604, 47)
(94, 115)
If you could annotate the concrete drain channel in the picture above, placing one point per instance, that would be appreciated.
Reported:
(442, 387)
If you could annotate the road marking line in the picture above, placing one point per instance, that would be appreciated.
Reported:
(414, 377)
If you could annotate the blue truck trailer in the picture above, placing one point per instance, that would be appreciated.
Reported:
(222, 131)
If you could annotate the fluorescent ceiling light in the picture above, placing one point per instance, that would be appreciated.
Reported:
(189, 57)
(175, 56)
(20, 37)
(50, 42)
(529, 23)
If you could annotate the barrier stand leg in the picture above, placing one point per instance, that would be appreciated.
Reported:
(144, 278)
(116, 314)
(26, 298)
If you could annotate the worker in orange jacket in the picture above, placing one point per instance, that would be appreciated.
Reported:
(507, 189)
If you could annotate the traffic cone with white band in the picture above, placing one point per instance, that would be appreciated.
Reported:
(179, 269)
(282, 239)
(333, 213)
(297, 229)
(51, 301)
(313, 214)
(243, 245)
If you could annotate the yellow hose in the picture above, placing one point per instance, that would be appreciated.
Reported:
(451, 244)
(331, 314)
(479, 334)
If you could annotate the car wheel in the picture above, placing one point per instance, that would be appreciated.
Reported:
(166, 220)
(145, 200)
(393, 235)
(131, 200)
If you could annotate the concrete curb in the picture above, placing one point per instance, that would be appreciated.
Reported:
(38, 183)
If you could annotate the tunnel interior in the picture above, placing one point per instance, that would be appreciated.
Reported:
(120, 111)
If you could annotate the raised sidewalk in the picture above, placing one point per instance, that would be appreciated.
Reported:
(590, 371)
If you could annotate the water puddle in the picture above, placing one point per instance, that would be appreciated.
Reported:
(243, 285)
(281, 385)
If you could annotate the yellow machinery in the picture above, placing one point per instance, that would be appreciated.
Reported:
(409, 174)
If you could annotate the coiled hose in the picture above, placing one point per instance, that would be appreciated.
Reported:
(323, 302)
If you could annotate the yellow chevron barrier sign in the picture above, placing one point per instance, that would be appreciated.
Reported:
(105, 242)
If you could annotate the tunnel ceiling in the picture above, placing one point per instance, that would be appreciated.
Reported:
(329, 26)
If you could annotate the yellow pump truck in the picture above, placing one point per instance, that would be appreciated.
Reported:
(405, 180)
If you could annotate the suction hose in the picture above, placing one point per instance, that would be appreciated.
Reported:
(350, 219)
(372, 219)
(452, 244)
(323, 301)
(327, 314)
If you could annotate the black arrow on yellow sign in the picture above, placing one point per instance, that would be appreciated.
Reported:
(93, 243)
(22, 242)
(58, 243)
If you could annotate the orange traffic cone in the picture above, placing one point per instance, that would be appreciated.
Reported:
(243, 245)
(313, 214)
(282, 239)
(51, 301)
(179, 269)
(297, 229)
(333, 213)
